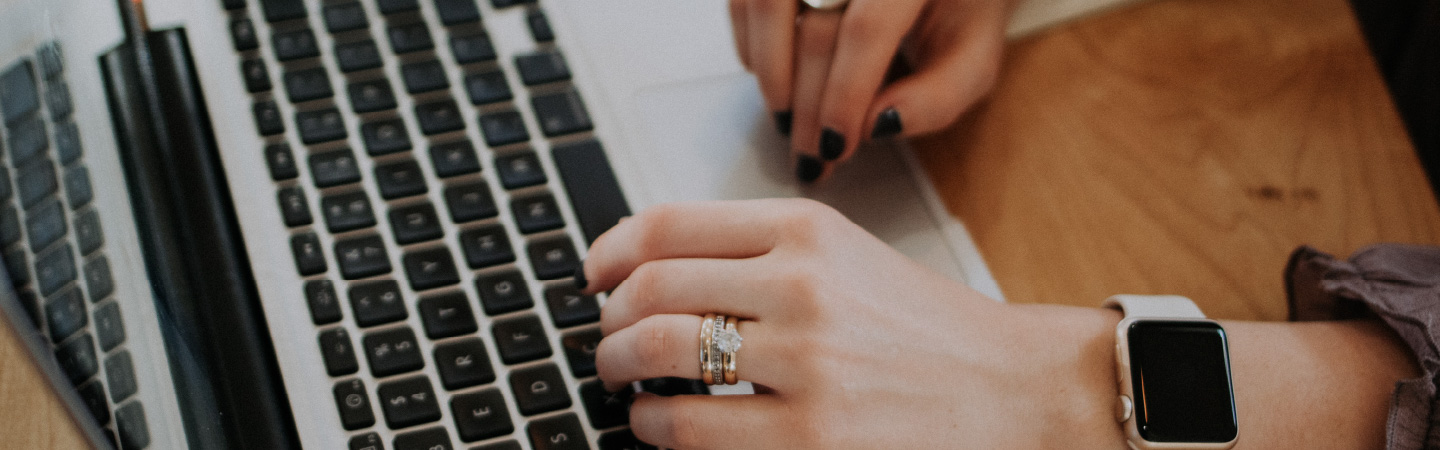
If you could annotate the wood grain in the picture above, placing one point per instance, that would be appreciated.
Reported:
(1182, 147)
(30, 414)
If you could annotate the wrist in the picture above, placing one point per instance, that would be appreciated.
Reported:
(1072, 365)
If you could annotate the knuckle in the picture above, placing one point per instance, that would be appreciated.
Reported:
(654, 223)
(685, 429)
(655, 342)
(807, 220)
(645, 287)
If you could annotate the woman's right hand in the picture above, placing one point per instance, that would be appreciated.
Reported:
(822, 72)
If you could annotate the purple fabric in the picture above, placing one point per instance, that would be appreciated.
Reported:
(1399, 284)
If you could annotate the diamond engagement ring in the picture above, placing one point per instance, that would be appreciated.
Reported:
(719, 340)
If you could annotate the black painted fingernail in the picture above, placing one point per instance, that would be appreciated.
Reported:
(783, 121)
(832, 144)
(808, 169)
(580, 281)
(887, 125)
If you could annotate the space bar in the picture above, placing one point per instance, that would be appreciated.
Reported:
(599, 204)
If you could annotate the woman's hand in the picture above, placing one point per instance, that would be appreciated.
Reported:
(821, 71)
(849, 343)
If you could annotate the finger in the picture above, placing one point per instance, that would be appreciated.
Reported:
(870, 36)
(814, 49)
(742, 288)
(717, 229)
(771, 38)
(710, 421)
(937, 94)
(668, 345)
(739, 26)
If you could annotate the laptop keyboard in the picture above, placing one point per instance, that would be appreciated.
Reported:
(413, 353)
(53, 245)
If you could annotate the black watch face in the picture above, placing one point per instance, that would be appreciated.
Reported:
(1181, 376)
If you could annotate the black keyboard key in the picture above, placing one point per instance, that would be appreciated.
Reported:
(356, 56)
(553, 258)
(88, 234)
(18, 92)
(5, 191)
(338, 352)
(308, 84)
(541, 68)
(539, 389)
(334, 168)
(470, 202)
(595, 196)
(486, 246)
(57, 98)
(408, 402)
(488, 87)
(345, 212)
(281, 162)
(452, 159)
(503, 292)
(97, 278)
(395, 6)
(415, 223)
(362, 257)
(320, 126)
(130, 422)
(293, 45)
(345, 17)
(447, 315)
(410, 38)
(539, 26)
(93, 394)
(51, 62)
(503, 128)
(392, 352)
(580, 351)
(439, 117)
(354, 405)
(508, 3)
(242, 34)
(522, 339)
(46, 224)
(67, 142)
(385, 137)
(427, 439)
(623, 440)
(424, 77)
(377, 302)
(568, 307)
(481, 415)
(371, 96)
(561, 432)
(120, 374)
(294, 209)
(605, 409)
(429, 269)
(35, 181)
(455, 12)
(109, 326)
(463, 363)
(27, 139)
(536, 213)
(9, 226)
(267, 118)
(561, 113)
(400, 179)
(472, 48)
(324, 304)
(77, 187)
(65, 314)
(520, 169)
(309, 259)
(257, 78)
(367, 441)
(54, 268)
(77, 358)
(671, 386)
(15, 263)
(233, 4)
(278, 10)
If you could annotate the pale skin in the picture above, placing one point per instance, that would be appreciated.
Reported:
(853, 345)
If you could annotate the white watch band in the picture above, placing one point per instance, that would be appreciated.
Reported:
(1155, 306)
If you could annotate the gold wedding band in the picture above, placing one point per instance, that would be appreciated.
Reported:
(707, 340)
(719, 340)
(731, 325)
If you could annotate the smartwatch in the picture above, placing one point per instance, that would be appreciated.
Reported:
(1173, 367)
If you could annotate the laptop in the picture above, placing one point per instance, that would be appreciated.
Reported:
(332, 223)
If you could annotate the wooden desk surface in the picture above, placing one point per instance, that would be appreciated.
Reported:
(1179, 146)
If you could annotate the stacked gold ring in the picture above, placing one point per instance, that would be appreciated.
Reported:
(719, 340)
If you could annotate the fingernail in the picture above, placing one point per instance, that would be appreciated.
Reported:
(580, 281)
(783, 121)
(887, 125)
(832, 144)
(808, 169)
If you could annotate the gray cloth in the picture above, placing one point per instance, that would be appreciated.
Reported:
(1400, 285)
